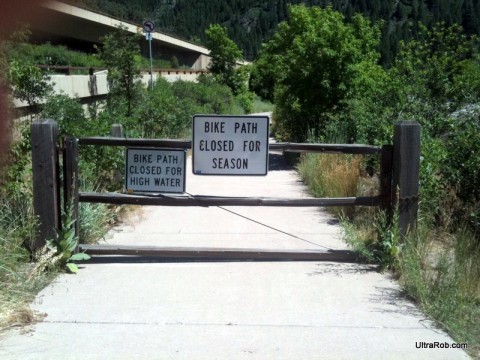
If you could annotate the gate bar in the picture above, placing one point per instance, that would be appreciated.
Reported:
(183, 253)
(187, 144)
(200, 200)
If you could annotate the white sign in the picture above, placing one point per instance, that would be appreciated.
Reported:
(155, 170)
(230, 145)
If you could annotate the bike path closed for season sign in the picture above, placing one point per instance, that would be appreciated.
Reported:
(230, 145)
(155, 170)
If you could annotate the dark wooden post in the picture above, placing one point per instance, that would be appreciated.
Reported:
(70, 169)
(406, 169)
(386, 171)
(46, 200)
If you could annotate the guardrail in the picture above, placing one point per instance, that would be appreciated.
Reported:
(67, 70)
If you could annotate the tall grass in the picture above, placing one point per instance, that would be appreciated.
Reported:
(94, 221)
(444, 278)
(260, 106)
(18, 286)
(331, 175)
(437, 267)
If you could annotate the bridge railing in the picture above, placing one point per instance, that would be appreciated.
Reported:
(86, 70)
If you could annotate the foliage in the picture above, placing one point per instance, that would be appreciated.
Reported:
(17, 172)
(462, 165)
(331, 175)
(368, 114)
(160, 113)
(434, 60)
(435, 82)
(65, 243)
(301, 53)
(223, 51)
(446, 285)
(432, 71)
(224, 66)
(18, 286)
(48, 54)
(120, 54)
(218, 96)
(260, 106)
(252, 22)
(165, 111)
(28, 82)
(68, 114)
(95, 220)
(245, 100)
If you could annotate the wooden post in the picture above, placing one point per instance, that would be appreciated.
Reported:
(116, 131)
(46, 200)
(70, 168)
(386, 169)
(406, 169)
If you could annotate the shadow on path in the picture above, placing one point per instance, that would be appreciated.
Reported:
(277, 162)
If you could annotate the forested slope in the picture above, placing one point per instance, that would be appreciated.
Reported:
(251, 22)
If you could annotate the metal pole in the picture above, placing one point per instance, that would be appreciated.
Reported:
(151, 61)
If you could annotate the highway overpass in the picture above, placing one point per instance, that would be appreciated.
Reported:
(81, 29)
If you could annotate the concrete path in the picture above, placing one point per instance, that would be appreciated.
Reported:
(141, 309)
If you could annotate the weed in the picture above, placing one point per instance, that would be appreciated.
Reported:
(377, 241)
(64, 245)
(387, 246)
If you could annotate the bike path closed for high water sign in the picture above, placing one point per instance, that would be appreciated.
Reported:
(230, 145)
(155, 170)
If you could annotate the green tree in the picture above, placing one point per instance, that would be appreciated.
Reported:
(433, 61)
(69, 115)
(28, 83)
(120, 53)
(311, 65)
(225, 56)
(438, 75)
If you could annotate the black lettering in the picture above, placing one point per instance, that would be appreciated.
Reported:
(230, 163)
(246, 128)
(142, 158)
(214, 127)
(216, 145)
(139, 181)
(249, 145)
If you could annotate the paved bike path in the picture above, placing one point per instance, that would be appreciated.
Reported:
(136, 308)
